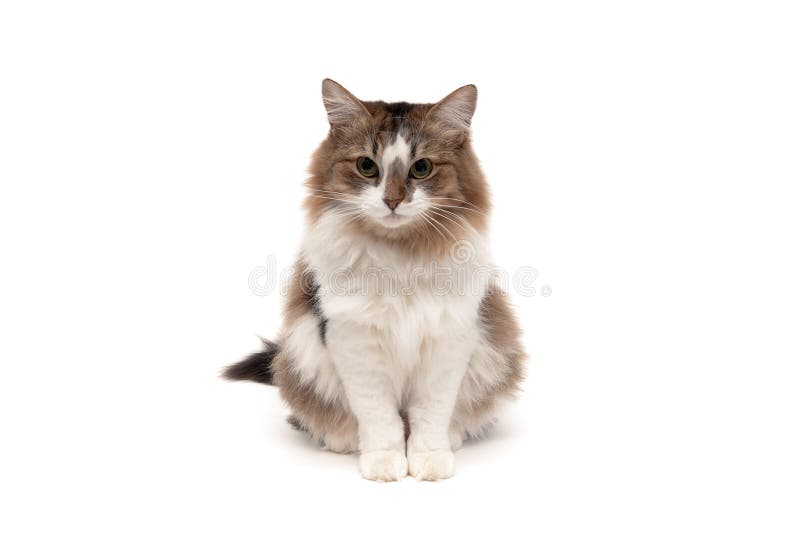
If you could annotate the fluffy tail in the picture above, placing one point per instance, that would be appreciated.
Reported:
(256, 367)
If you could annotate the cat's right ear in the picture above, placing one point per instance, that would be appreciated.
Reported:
(343, 108)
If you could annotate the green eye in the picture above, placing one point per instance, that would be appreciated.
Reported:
(421, 169)
(367, 167)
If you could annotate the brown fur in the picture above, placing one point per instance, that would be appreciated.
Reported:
(503, 333)
(363, 129)
(329, 423)
(456, 174)
(301, 292)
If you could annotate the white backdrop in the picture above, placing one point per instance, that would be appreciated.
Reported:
(643, 159)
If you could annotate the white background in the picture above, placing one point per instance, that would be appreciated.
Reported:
(643, 158)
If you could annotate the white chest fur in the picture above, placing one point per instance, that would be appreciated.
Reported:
(377, 295)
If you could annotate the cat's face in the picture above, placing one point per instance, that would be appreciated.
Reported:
(402, 172)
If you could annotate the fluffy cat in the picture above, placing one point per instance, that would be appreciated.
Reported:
(396, 342)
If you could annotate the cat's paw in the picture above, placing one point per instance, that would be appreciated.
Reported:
(431, 465)
(383, 465)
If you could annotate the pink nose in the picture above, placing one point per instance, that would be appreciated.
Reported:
(392, 202)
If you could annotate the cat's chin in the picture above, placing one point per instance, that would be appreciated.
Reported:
(393, 220)
(393, 228)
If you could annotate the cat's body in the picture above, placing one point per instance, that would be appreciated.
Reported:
(395, 343)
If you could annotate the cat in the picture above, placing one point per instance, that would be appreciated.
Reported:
(382, 351)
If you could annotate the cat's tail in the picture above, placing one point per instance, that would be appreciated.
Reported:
(256, 367)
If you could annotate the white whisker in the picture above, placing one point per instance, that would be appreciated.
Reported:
(446, 215)
(342, 200)
(477, 208)
(428, 221)
(443, 227)
(329, 192)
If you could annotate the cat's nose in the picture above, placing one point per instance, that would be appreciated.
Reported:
(392, 202)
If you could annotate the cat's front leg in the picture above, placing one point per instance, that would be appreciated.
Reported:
(364, 372)
(433, 397)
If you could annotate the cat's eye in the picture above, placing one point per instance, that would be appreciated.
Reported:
(421, 169)
(367, 167)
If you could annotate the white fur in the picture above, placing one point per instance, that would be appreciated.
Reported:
(384, 465)
(399, 149)
(372, 205)
(431, 465)
(391, 351)
(371, 198)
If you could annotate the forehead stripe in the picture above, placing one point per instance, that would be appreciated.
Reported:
(399, 149)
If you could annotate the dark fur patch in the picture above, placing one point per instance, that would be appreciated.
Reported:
(304, 298)
(316, 310)
(398, 110)
(296, 423)
(256, 367)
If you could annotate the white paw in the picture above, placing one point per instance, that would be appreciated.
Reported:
(384, 465)
(431, 465)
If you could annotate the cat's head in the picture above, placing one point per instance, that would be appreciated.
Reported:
(399, 171)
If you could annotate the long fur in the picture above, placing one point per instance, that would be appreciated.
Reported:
(256, 367)
(403, 377)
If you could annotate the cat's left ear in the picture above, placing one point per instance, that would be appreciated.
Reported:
(456, 109)
(343, 108)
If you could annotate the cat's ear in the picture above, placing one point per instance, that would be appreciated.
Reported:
(343, 108)
(456, 109)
